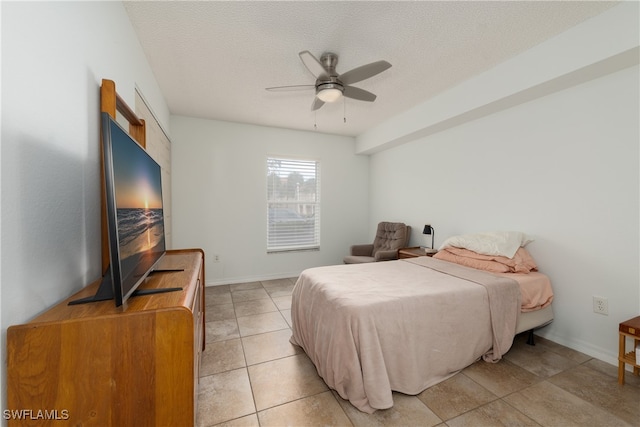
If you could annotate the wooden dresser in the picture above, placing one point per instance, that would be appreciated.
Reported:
(101, 365)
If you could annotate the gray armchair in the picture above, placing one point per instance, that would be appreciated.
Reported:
(390, 236)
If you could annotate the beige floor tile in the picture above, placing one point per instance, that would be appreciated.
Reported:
(217, 299)
(261, 323)
(215, 290)
(223, 397)
(248, 421)
(280, 290)
(283, 303)
(255, 306)
(500, 378)
(283, 380)
(602, 390)
(318, 410)
(496, 413)
(222, 356)
(269, 346)
(274, 283)
(550, 405)
(220, 312)
(570, 354)
(245, 286)
(287, 316)
(612, 371)
(220, 330)
(406, 411)
(455, 396)
(539, 360)
(248, 295)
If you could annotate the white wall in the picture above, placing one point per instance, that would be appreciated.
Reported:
(54, 56)
(219, 196)
(564, 168)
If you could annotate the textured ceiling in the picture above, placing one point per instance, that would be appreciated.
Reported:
(215, 59)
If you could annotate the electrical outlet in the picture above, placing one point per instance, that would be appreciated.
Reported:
(216, 258)
(600, 305)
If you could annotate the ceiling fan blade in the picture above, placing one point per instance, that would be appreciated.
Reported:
(364, 72)
(317, 103)
(359, 94)
(313, 65)
(289, 88)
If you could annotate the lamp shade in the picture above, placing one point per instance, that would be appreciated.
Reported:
(429, 230)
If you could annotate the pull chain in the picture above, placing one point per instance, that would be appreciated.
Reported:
(344, 106)
(344, 114)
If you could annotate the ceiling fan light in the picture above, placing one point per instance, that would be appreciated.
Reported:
(329, 94)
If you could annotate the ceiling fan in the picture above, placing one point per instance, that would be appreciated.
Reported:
(331, 86)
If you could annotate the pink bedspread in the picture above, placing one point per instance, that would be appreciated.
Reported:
(400, 325)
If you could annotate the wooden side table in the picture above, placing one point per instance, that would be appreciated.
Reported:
(629, 328)
(413, 252)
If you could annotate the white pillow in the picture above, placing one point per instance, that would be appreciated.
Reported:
(503, 243)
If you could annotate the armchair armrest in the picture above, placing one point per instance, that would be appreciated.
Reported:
(386, 255)
(362, 250)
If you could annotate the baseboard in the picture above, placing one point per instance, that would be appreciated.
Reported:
(246, 279)
(599, 353)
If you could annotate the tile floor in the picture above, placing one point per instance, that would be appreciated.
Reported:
(252, 376)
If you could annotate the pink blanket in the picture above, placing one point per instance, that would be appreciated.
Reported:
(400, 325)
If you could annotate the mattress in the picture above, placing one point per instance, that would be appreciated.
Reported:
(529, 320)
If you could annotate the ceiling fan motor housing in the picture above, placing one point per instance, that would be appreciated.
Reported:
(329, 61)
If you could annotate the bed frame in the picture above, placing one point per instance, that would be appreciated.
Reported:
(531, 320)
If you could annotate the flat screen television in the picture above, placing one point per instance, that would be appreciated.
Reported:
(135, 219)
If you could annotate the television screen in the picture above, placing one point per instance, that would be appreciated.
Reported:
(134, 209)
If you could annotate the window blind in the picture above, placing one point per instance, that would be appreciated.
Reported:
(293, 204)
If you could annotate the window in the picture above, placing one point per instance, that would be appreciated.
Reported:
(293, 204)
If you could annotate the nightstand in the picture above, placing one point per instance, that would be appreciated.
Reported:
(629, 328)
(414, 252)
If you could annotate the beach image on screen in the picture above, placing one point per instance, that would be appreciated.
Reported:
(138, 193)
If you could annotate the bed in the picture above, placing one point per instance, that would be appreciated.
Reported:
(406, 325)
